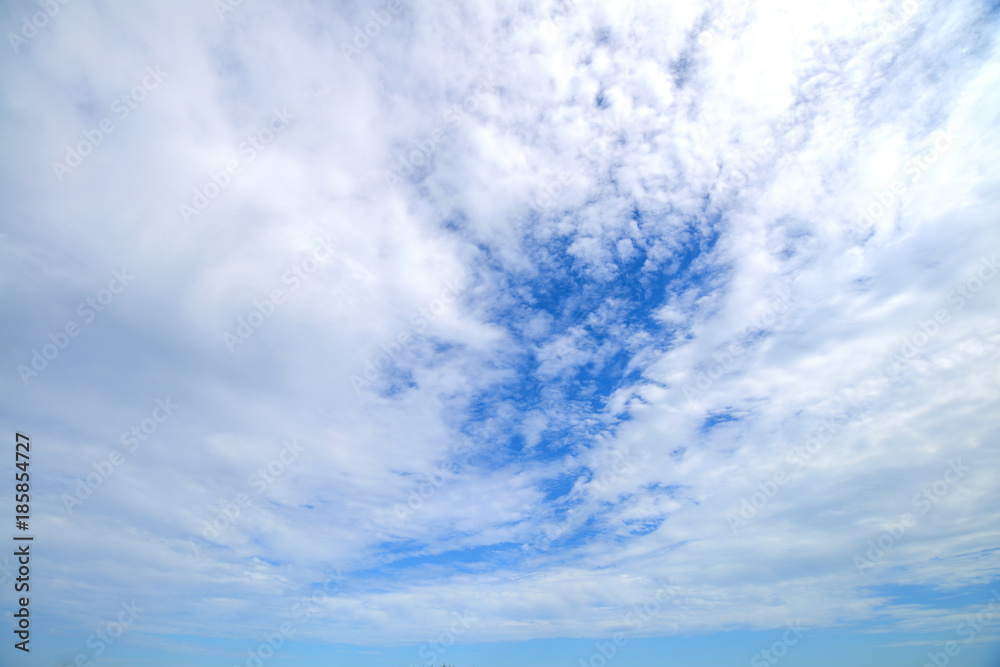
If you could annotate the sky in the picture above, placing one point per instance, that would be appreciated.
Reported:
(561, 333)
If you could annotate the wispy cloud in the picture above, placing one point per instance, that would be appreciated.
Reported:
(558, 299)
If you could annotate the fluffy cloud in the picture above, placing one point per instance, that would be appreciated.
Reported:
(608, 273)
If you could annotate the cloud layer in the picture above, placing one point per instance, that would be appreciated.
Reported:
(511, 312)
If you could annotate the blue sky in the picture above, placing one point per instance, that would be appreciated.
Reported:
(622, 334)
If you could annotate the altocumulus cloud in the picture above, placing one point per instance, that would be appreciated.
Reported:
(609, 258)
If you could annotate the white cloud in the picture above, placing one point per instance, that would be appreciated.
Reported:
(739, 165)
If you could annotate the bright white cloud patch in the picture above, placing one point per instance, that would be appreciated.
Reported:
(512, 311)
